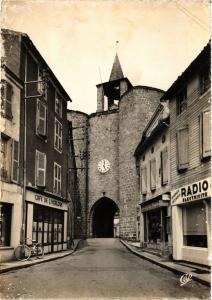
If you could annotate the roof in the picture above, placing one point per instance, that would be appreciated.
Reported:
(116, 72)
(201, 59)
(26, 39)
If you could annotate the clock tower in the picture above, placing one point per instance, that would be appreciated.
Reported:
(110, 92)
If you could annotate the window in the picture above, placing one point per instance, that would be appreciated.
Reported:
(6, 99)
(58, 135)
(182, 148)
(153, 174)
(41, 118)
(40, 169)
(58, 104)
(15, 161)
(182, 101)
(194, 225)
(143, 180)
(205, 134)
(164, 166)
(41, 85)
(205, 79)
(5, 158)
(57, 178)
(5, 224)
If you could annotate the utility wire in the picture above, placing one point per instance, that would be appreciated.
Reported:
(192, 17)
(198, 19)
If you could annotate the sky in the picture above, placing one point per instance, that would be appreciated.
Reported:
(77, 38)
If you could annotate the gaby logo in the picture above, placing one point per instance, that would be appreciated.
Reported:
(185, 278)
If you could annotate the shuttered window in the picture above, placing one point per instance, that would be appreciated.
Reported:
(143, 180)
(164, 167)
(42, 85)
(182, 148)
(153, 174)
(41, 118)
(40, 169)
(57, 178)
(15, 161)
(6, 99)
(205, 133)
(58, 135)
(58, 104)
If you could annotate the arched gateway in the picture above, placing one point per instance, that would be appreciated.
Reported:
(103, 213)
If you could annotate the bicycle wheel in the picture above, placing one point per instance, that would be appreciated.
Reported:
(39, 251)
(22, 252)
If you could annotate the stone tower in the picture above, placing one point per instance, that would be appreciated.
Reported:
(113, 133)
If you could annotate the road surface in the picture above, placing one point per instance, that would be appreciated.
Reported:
(104, 268)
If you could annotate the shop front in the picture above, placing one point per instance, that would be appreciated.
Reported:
(10, 219)
(156, 225)
(191, 218)
(47, 221)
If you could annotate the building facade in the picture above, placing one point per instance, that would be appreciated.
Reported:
(190, 166)
(10, 187)
(46, 202)
(152, 156)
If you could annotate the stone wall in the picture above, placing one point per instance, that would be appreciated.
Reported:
(80, 120)
(135, 110)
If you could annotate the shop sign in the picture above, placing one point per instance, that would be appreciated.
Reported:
(47, 201)
(192, 192)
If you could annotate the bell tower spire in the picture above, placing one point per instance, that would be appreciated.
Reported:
(116, 72)
(109, 93)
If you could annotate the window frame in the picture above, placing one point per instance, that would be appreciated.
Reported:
(203, 152)
(57, 181)
(15, 161)
(58, 100)
(57, 136)
(38, 117)
(153, 187)
(143, 171)
(37, 153)
(181, 100)
(164, 182)
(5, 101)
(182, 166)
(7, 158)
(204, 82)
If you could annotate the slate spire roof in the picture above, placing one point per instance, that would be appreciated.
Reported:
(116, 72)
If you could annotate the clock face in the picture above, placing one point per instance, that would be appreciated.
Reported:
(104, 166)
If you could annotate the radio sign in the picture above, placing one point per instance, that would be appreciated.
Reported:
(195, 191)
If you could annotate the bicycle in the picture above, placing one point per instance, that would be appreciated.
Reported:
(26, 250)
(71, 244)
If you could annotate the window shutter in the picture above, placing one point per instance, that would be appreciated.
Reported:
(164, 166)
(153, 174)
(41, 169)
(143, 180)
(182, 148)
(206, 133)
(41, 119)
(8, 104)
(15, 161)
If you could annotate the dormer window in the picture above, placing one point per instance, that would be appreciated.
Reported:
(205, 79)
(182, 101)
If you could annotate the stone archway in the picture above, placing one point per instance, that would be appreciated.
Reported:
(102, 218)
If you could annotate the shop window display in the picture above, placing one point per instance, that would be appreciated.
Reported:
(5, 224)
(194, 225)
(48, 227)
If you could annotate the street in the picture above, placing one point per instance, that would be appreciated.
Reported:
(103, 268)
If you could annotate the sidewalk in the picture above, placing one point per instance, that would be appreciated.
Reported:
(200, 274)
(14, 265)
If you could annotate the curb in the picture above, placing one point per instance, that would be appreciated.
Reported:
(178, 272)
(36, 262)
